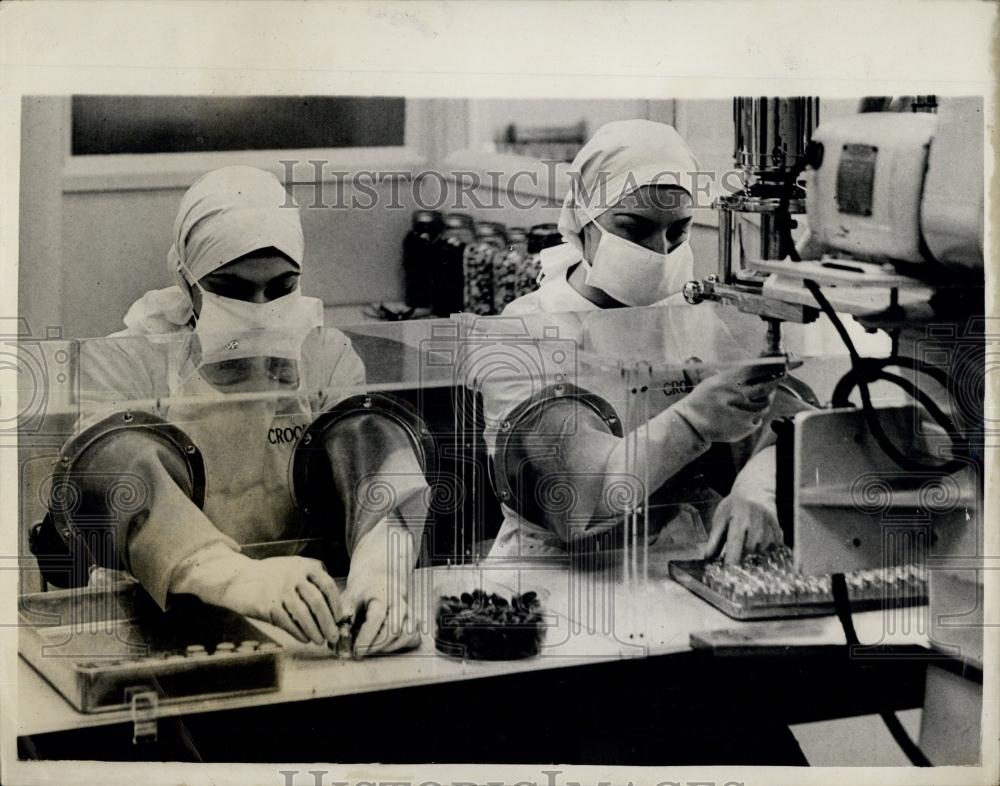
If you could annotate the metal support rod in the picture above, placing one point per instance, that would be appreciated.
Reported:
(728, 225)
(775, 346)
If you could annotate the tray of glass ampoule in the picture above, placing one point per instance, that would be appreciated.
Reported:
(768, 586)
(100, 647)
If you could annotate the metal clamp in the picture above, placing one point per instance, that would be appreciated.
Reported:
(144, 706)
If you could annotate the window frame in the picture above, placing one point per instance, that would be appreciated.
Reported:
(155, 171)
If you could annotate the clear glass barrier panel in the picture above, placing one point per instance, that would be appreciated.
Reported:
(464, 377)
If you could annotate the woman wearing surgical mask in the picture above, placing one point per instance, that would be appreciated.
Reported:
(232, 356)
(625, 224)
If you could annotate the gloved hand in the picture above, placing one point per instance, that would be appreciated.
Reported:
(728, 405)
(387, 626)
(376, 596)
(746, 520)
(295, 594)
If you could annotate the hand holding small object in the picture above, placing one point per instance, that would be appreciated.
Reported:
(295, 594)
(375, 601)
(728, 405)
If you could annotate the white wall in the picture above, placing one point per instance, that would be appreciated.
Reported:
(490, 117)
(88, 251)
(114, 247)
(95, 233)
(95, 237)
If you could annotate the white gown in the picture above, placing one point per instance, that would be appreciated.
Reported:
(557, 319)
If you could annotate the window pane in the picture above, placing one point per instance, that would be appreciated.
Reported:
(104, 125)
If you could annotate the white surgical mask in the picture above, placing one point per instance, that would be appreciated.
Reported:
(636, 276)
(230, 329)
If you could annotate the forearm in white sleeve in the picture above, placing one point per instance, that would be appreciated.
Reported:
(164, 526)
(758, 476)
(215, 574)
(579, 451)
(664, 446)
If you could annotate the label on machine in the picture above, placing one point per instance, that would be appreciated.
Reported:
(856, 179)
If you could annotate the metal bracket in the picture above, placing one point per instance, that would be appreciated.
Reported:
(144, 706)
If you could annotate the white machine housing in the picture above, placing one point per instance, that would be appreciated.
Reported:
(953, 211)
(866, 190)
(906, 187)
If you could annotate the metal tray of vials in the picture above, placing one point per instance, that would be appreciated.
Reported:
(98, 647)
(768, 587)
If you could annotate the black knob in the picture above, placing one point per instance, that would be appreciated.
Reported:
(814, 154)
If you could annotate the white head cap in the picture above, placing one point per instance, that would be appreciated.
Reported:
(228, 213)
(622, 156)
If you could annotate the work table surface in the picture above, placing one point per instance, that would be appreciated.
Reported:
(590, 618)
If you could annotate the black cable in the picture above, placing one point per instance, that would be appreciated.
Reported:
(861, 373)
(886, 444)
(908, 746)
(866, 370)
(904, 361)
(916, 393)
(902, 459)
(842, 607)
(860, 377)
(869, 369)
(784, 214)
(841, 397)
(827, 309)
